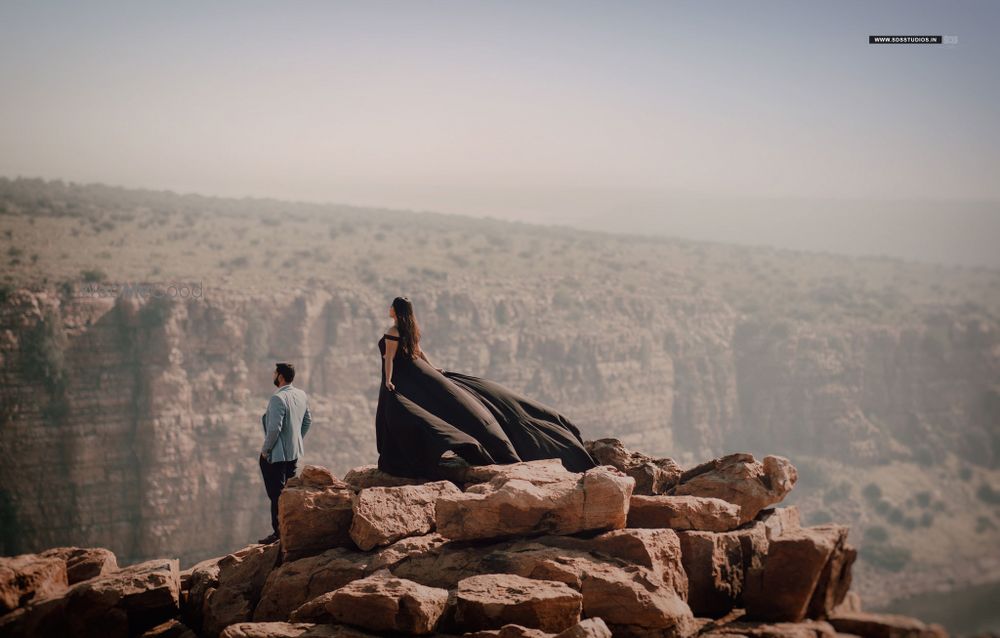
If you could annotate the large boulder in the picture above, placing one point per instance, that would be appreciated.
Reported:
(683, 513)
(292, 584)
(314, 513)
(30, 577)
(652, 476)
(658, 550)
(490, 601)
(740, 479)
(240, 581)
(126, 602)
(753, 629)
(535, 498)
(381, 602)
(789, 578)
(84, 563)
(717, 563)
(383, 515)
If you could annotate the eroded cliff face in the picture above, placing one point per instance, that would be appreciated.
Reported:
(133, 424)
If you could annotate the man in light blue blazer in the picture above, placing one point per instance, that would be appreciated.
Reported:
(285, 425)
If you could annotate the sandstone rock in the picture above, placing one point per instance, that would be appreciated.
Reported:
(290, 630)
(382, 602)
(612, 589)
(84, 563)
(778, 520)
(589, 628)
(314, 514)
(655, 549)
(652, 476)
(851, 603)
(885, 626)
(171, 629)
(201, 580)
(367, 476)
(126, 602)
(490, 601)
(739, 479)
(538, 472)
(835, 579)
(30, 577)
(509, 631)
(241, 578)
(405, 548)
(383, 515)
(292, 584)
(716, 564)
(807, 629)
(683, 513)
(782, 589)
(557, 502)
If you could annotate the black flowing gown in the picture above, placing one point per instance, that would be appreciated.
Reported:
(430, 413)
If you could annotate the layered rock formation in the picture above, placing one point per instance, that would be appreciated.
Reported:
(566, 556)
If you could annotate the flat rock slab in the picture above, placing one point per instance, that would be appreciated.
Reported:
(84, 563)
(367, 476)
(533, 500)
(683, 513)
(885, 626)
(491, 601)
(290, 630)
(383, 515)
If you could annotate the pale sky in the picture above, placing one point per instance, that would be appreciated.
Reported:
(545, 110)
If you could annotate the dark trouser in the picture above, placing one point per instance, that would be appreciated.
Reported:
(275, 475)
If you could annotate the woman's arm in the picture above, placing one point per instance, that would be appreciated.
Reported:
(390, 352)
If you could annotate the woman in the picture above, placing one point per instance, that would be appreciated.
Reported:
(424, 412)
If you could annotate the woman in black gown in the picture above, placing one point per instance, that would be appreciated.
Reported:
(424, 412)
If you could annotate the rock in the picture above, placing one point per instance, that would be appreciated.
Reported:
(292, 584)
(314, 514)
(807, 629)
(739, 479)
(383, 515)
(589, 628)
(171, 629)
(835, 579)
(490, 601)
(683, 513)
(367, 476)
(509, 631)
(551, 501)
(405, 548)
(537, 472)
(290, 630)
(241, 579)
(84, 563)
(885, 626)
(382, 602)
(656, 549)
(851, 603)
(778, 520)
(612, 589)
(30, 577)
(716, 564)
(201, 580)
(781, 590)
(652, 476)
(126, 602)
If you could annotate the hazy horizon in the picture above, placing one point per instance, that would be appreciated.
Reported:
(722, 121)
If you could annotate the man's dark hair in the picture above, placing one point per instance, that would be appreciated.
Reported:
(286, 370)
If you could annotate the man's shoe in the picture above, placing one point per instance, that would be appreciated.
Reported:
(272, 538)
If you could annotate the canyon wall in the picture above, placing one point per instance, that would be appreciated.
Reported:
(134, 424)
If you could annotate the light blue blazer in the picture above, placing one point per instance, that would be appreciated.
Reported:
(285, 424)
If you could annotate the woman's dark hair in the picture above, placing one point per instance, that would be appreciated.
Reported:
(406, 323)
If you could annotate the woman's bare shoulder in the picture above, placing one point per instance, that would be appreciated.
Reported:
(392, 331)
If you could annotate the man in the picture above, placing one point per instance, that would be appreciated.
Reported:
(285, 424)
